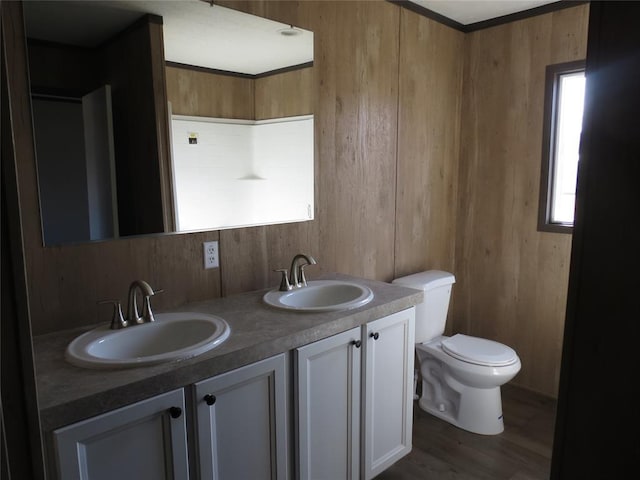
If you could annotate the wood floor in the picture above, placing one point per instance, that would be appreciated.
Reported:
(521, 452)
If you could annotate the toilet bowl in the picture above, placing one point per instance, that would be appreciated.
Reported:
(461, 375)
(465, 392)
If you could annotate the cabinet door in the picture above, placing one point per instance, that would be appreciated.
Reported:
(242, 422)
(388, 396)
(144, 440)
(328, 407)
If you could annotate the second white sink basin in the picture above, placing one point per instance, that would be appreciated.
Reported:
(173, 336)
(321, 296)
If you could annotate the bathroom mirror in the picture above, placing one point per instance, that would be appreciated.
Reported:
(91, 186)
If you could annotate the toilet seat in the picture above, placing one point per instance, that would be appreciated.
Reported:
(479, 351)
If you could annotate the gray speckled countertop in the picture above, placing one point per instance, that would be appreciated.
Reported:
(67, 394)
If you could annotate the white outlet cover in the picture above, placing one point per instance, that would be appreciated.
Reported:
(210, 251)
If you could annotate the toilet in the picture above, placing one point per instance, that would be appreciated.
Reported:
(461, 374)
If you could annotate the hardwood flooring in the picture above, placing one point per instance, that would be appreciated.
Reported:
(521, 452)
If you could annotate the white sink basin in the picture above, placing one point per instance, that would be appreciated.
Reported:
(321, 296)
(173, 336)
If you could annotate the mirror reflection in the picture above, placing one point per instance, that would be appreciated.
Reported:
(111, 78)
(241, 172)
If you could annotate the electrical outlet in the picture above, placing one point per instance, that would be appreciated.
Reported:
(211, 259)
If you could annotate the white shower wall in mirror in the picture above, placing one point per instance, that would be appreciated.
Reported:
(232, 173)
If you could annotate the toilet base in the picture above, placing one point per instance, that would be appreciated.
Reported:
(477, 411)
(464, 394)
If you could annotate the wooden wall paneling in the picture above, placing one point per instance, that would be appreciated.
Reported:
(22, 449)
(357, 222)
(244, 260)
(249, 255)
(551, 301)
(78, 276)
(325, 114)
(58, 66)
(512, 280)
(271, 247)
(355, 89)
(130, 74)
(355, 149)
(516, 255)
(430, 93)
(204, 94)
(160, 116)
(351, 233)
(509, 277)
(569, 31)
(285, 94)
(66, 281)
(355, 71)
(476, 181)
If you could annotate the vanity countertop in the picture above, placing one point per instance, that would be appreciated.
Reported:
(67, 394)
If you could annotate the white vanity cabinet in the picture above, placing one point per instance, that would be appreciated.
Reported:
(241, 422)
(327, 374)
(354, 400)
(352, 414)
(387, 419)
(147, 439)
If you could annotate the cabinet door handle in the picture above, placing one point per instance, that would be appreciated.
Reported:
(356, 343)
(175, 412)
(210, 399)
(374, 335)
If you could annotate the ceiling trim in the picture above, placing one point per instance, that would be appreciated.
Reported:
(492, 22)
(228, 73)
(425, 12)
(532, 12)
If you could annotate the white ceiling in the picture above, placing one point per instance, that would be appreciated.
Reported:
(196, 33)
(471, 11)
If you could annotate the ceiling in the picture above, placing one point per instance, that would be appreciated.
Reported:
(467, 12)
(196, 33)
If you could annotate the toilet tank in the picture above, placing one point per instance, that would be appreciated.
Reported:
(431, 314)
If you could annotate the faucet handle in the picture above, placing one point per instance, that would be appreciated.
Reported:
(303, 279)
(310, 261)
(147, 314)
(285, 286)
(117, 321)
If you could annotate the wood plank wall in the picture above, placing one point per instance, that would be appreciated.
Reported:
(65, 282)
(203, 94)
(139, 126)
(355, 90)
(355, 98)
(428, 140)
(193, 92)
(389, 136)
(285, 94)
(511, 279)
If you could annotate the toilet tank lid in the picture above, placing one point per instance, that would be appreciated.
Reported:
(426, 280)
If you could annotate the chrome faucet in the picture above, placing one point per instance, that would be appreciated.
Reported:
(117, 320)
(133, 314)
(296, 272)
(285, 286)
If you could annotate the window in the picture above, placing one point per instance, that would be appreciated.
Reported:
(564, 100)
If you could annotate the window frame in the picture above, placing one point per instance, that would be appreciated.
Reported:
(552, 75)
